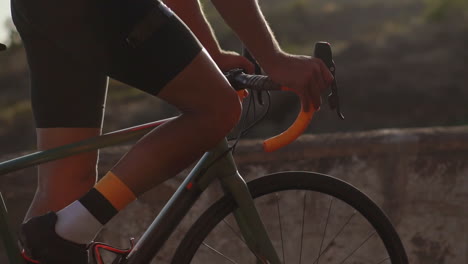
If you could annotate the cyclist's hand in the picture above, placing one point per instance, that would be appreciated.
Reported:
(307, 75)
(228, 60)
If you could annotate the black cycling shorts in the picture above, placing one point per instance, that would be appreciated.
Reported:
(73, 46)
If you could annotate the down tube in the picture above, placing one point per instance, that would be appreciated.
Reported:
(176, 208)
(164, 224)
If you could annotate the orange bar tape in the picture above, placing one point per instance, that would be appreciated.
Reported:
(293, 132)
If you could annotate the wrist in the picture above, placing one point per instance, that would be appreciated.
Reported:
(270, 61)
(217, 54)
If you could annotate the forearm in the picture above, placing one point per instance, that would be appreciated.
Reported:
(191, 13)
(247, 20)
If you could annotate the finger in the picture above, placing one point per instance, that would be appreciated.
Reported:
(326, 73)
(237, 61)
(248, 66)
(306, 98)
(315, 90)
(321, 81)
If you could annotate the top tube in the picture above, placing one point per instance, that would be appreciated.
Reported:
(106, 140)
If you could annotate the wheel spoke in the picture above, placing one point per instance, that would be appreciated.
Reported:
(281, 227)
(235, 232)
(302, 227)
(337, 234)
(325, 230)
(363, 242)
(219, 253)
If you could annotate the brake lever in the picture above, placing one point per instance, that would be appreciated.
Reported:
(323, 52)
(334, 100)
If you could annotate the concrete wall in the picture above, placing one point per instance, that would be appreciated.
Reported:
(418, 176)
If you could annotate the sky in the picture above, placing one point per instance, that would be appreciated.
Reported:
(4, 15)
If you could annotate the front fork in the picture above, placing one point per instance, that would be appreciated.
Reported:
(247, 217)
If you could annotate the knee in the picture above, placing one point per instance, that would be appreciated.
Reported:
(230, 112)
(221, 114)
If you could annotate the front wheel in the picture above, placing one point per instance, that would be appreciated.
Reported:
(310, 218)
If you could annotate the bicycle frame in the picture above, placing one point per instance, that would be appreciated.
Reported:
(215, 164)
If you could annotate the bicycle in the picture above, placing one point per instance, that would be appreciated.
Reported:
(242, 203)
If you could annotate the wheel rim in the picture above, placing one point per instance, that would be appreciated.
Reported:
(312, 244)
(318, 225)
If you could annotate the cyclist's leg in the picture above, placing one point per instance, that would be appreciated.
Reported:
(68, 107)
(170, 59)
(67, 102)
(191, 82)
(210, 109)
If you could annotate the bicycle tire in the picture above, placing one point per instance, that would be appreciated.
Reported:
(307, 181)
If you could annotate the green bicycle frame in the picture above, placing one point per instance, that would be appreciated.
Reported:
(210, 167)
(215, 164)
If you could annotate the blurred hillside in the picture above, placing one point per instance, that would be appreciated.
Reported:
(399, 64)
